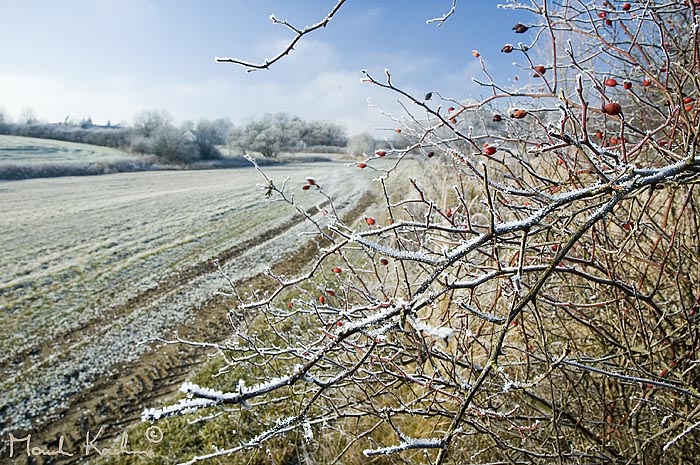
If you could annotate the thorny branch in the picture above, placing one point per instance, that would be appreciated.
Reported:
(532, 295)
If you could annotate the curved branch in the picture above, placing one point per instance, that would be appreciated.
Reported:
(299, 34)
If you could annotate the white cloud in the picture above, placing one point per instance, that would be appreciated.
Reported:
(311, 82)
(50, 98)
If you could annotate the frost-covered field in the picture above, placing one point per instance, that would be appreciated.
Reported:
(28, 158)
(91, 266)
(28, 150)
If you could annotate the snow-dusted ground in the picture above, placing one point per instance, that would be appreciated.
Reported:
(91, 266)
(16, 150)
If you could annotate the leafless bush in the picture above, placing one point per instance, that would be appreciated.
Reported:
(539, 306)
(272, 134)
(361, 144)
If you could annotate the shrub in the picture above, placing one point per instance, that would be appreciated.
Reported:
(275, 133)
(207, 135)
(539, 305)
(171, 144)
(360, 144)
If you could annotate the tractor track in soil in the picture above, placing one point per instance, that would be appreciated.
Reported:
(166, 285)
(115, 401)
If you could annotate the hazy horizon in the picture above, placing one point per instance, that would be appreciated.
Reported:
(109, 60)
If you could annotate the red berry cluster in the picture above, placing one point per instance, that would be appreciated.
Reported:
(309, 183)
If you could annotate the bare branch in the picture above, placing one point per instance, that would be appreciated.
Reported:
(299, 34)
(441, 20)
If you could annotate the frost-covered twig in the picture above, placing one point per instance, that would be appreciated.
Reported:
(299, 34)
(408, 444)
(681, 435)
(441, 20)
(633, 379)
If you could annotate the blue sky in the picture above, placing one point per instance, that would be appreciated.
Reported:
(110, 59)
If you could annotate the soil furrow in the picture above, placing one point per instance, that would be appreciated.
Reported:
(114, 402)
(167, 284)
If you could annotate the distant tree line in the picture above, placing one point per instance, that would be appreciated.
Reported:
(153, 132)
(106, 136)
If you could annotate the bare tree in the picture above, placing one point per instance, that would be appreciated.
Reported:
(541, 308)
(149, 121)
(27, 116)
(172, 144)
(208, 134)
